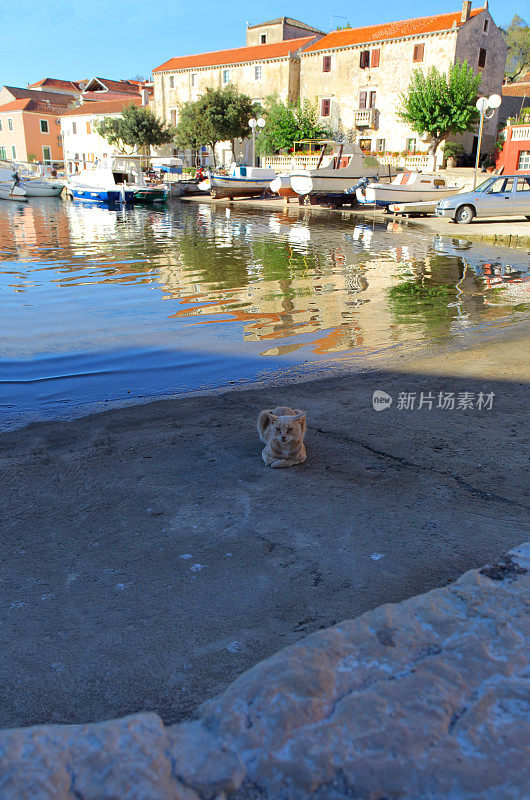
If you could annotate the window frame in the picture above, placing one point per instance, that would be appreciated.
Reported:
(10, 125)
(45, 121)
(263, 38)
(363, 99)
(372, 98)
(13, 152)
(193, 79)
(482, 50)
(364, 59)
(376, 50)
(419, 49)
(44, 159)
(258, 72)
(0, 126)
(226, 77)
(322, 101)
(523, 157)
(171, 81)
(74, 128)
(3, 152)
(486, 25)
(326, 63)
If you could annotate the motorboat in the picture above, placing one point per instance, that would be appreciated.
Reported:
(241, 181)
(10, 191)
(36, 185)
(112, 180)
(338, 173)
(407, 187)
(282, 185)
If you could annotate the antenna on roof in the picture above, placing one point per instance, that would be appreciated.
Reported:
(335, 16)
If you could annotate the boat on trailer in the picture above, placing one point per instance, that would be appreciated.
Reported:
(407, 187)
(337, 174)
(241, 181)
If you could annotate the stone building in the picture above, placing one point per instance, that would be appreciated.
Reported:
(357, 75)
(268, 64)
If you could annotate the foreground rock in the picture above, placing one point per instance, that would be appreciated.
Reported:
(426, 698)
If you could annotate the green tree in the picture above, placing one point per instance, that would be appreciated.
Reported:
(219, 115)
(518, 41)
(286, 123)
(137, 129)
(439, 104)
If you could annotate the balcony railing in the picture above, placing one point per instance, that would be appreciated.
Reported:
(520, 133)
(366, 118)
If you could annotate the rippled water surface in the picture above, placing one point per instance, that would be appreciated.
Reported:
(100, 305)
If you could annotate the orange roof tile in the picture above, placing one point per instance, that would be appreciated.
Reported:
(103, 107)
(389, 30)
(60, 84)
(518, 89)
(32, 107)
(237, 55)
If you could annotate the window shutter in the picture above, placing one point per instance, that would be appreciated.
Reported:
(326, 64)
(372, 99)
(376, 55)
(364, 59)
(419, 50)
(324, 108)
(362, 100)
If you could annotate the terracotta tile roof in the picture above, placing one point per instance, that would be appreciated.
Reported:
(389, 30)
(237, 55)
(118, 87)
(295, 23)
(32, 107)
(100, 97)
(18, 92)
(103, 107)
(518, 89)
(58, 83)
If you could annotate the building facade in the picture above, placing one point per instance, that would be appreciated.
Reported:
(514, 157)
(268, 64)
(30, 131)
(356, 76)
(83, 146)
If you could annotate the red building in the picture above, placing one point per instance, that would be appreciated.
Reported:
(515, 154)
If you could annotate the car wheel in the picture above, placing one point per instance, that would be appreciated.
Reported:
(464, 215)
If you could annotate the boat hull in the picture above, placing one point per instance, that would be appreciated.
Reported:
(13, 193)
(42, 189)
(305, 183)
(388, 195)
(114, 196)
(221, 186)
(282, 186)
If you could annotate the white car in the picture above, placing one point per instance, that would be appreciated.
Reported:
(498, 196)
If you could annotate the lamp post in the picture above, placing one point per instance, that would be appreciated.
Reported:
(483, 104)
(255, 123)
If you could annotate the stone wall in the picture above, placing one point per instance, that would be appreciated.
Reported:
(426, 698)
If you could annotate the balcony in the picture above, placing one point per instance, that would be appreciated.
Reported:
(366, 118)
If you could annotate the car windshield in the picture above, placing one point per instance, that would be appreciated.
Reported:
(484, 185)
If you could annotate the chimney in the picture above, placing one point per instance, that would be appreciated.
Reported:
(466, 11)
(145, 96)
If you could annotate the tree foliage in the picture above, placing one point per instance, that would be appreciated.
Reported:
(286, 123)
(518, 41)
(137, 129)
(438, 104)
(219, 115)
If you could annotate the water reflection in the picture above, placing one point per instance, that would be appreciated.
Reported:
(290, 287)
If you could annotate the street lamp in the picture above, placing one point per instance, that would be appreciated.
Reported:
(483, 104)
(255, 123)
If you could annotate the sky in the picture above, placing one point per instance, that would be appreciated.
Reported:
(116, 39)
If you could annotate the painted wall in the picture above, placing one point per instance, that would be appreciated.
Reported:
(27, 137)
(85, 144)
(511, 151)
(278, 32)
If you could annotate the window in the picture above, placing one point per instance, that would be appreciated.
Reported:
(411, 145)
(362, 99)
(481, 58)
(46, 154)
(380, 145)
(226, 76)
(523, 163)
(326, 63)
(74, 127)
(366, 145)
(325, 106)
(3, 154)
(10, 123)
(171, 81)
(486, 25)
(257, 73)
(496, 187)
(263, 38)
(193, 79)
(419, 51)
(371, 103)
(0, 125)
(364, 59)
(13, 151)
(173, 116)
(43, 125)
(88, 128)
(375, 58)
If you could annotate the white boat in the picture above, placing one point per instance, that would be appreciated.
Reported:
(418, 208)
(282, 185)
(407, 187)
(112, 180)
(337, 173)
(35, 185)
(10, 191)
(241, 181)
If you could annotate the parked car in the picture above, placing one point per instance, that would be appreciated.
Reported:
(506, 195)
